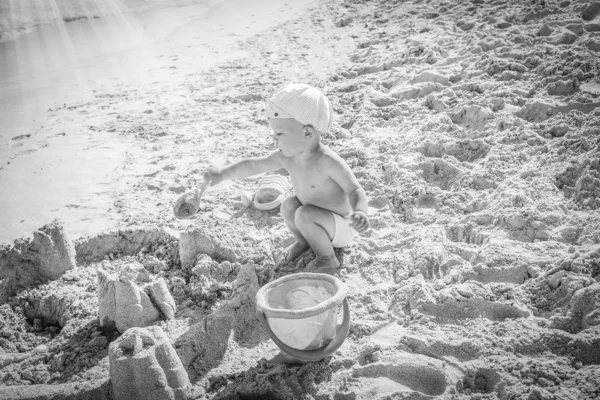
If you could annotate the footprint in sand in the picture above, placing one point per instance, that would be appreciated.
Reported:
(21, 137)
(591, 11)
(26, 152)
(483, 380)
(469, 150)
(466, 233)
(440, 173)
(454, 310)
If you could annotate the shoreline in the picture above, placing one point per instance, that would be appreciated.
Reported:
(25, 22)
(70, 135)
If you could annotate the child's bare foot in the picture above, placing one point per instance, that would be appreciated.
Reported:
(326, 265)
(294, 251)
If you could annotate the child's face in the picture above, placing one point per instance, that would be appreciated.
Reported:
(289, 136)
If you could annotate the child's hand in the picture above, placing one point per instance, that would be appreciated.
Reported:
(214, 175)
(359, 221)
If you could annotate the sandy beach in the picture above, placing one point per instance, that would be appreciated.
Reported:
(58, 80)
(473, 126)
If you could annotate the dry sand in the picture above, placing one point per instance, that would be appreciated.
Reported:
(475, 130)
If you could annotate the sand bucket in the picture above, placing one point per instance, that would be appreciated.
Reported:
(271, 192)
(300, 314)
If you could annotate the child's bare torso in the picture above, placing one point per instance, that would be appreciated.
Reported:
(313, 184)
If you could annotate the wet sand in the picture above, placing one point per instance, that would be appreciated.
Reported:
(54, 161)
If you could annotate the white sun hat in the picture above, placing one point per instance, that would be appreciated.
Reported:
(304, 103)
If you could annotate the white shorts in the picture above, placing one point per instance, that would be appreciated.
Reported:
(343, 233)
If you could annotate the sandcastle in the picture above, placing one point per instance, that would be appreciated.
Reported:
(123, 303)
(144, 365)
(45, 258)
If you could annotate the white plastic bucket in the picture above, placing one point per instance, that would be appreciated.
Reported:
(271, 192)
(300, 313)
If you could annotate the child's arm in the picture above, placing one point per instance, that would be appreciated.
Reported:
(243, 168)
(358, 200)
(341, 173)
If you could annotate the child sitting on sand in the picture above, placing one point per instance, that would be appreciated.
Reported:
(329, 206)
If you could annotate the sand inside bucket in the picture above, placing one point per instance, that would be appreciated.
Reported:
(305, 333)
(267, 195)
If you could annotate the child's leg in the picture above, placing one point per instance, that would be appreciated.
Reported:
(288, 212)
(317, 226)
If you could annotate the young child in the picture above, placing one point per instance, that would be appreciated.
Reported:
(329, 206)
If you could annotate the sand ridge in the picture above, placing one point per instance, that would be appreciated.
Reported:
(473, 127)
